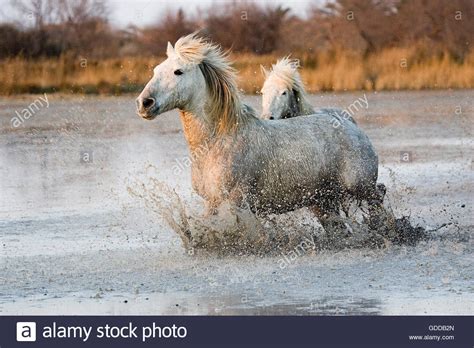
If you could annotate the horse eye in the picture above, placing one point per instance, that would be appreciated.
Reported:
(284, 93)
(178, 72)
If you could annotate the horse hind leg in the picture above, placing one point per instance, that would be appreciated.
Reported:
(337, 231)
(380, 191)
(381, 219)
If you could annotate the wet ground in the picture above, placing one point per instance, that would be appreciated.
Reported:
(74, 240)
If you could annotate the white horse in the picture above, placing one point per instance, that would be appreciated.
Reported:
(267, 166)
(284, 94)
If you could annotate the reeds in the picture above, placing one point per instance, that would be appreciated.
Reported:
(390, 69)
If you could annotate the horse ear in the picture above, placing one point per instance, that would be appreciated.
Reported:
(264, 71)
(169, 50)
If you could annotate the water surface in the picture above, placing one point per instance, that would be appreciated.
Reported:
(73, 240)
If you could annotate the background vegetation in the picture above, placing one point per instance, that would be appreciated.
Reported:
(70, 46)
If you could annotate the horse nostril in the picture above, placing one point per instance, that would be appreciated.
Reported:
(148, 103)
(272, 118)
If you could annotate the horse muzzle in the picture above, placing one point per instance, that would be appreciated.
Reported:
(267, 117)
(147, 107)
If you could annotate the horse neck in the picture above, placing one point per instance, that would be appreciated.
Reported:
(305, 107)
(201, 130)
(299, 106)
(196, 131)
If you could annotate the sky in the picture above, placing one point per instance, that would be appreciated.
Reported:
(146, 12)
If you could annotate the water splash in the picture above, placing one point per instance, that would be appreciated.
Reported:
(233, 230)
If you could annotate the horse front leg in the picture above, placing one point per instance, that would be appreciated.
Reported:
(210, 209)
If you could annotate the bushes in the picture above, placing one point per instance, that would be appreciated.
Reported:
(325, 71)
(345, 45)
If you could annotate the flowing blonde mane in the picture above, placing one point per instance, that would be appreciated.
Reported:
(225, 109)
(286, 71)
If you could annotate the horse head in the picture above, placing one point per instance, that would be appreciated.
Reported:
(283, 94)
(176, 83)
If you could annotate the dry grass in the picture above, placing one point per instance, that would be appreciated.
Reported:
(391, 69)
(67, 74)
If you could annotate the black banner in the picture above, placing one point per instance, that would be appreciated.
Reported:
(261, 331)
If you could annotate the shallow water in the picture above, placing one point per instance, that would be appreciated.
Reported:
(74, 240)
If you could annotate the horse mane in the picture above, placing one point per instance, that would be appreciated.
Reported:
(225, 110)
(286, 70)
